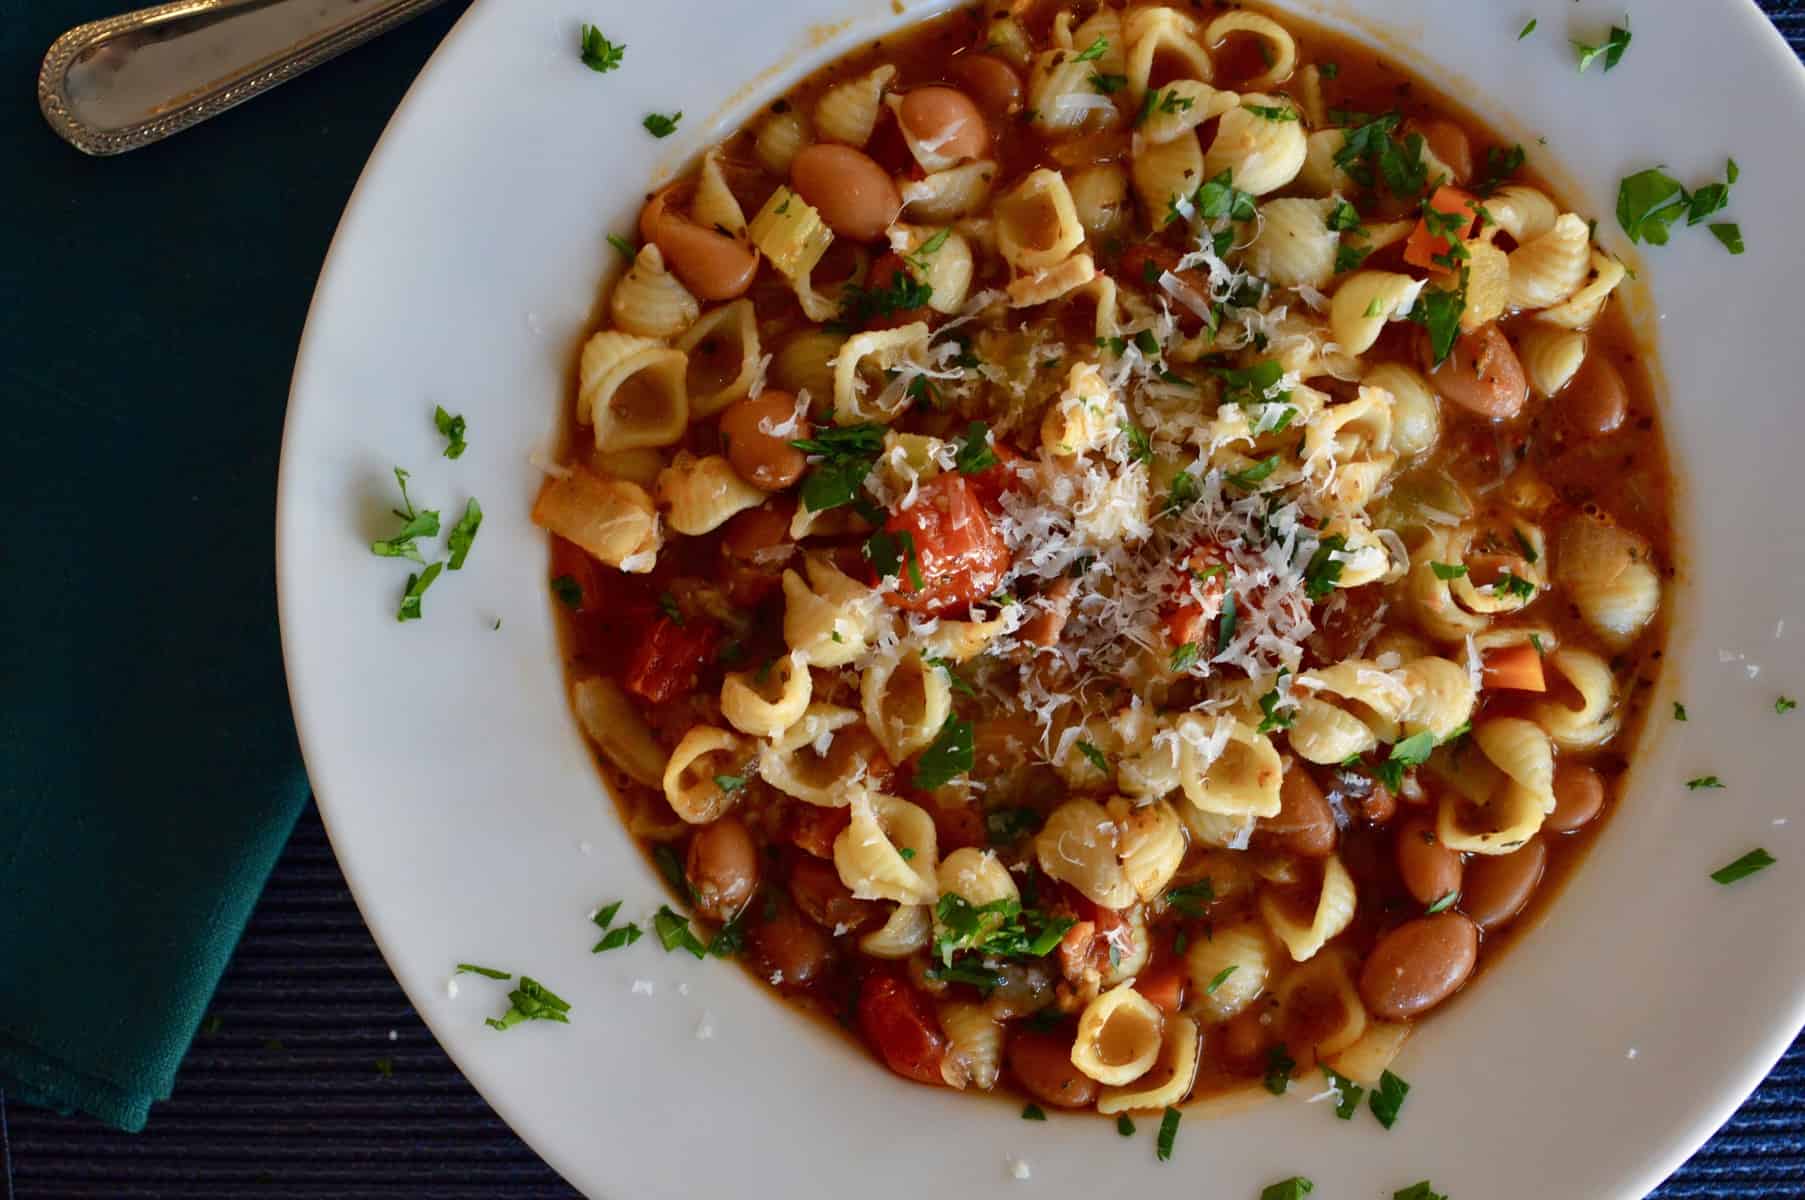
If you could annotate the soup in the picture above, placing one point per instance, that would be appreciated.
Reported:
(1116, 551)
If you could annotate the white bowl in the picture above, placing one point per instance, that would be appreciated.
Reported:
(472, 826)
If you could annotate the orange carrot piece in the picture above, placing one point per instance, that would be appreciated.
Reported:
(1423, 246)
(1514, 668)
(1162, 985)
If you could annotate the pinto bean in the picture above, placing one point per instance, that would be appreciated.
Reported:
(788, 949)
(708, 262)
(722, 868)
(1042, 1064)
(1578, 798)
(1596, 401)
(946, 119)
(1418, 965)
(854, 195)
(990, 81)
(765, 460)
(1305, 824)
(1430, 870)
(1499, 886)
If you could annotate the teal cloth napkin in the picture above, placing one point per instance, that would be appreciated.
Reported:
(148, 769)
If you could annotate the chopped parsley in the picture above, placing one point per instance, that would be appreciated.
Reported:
(531, 1001)
(1347, 1094)
(1192, 899)
(948, 756)
(1034, 1112)
(1273, 112)
(1328, 70)
(1729, 233)
(661, 126)
(999, 929)
(1258, 384)
(1344, 217)
(1124, 1125)
(568, 591)
(1140, 447)
(1271, 717)
(1413, 751)
(1185, 657)
(1093, 52)
(452, 428)
(953, 678)
(463, 534)
(1007, 826)
(414, 525)
(626, 249)
(1294, 1188)
(416, 591)
(860, 305)
(730, 783)
(1419, 1191)
(1250, 479)
(892, 553)
(1219, 197)
(1785, 704)
(1742, 868)
(1220, 978)
(1225, 630)
(1515, 586)
(1611, 49)
(671, 867)
(1500, 164)
(600, 54)
(1094, 755)
(485, 972)
(1168, 1133)
(1446, 902)
(974, 453)
(1109, 85)
(674, 933)
(1279, 1066)
(1448, 570)
(1438, 311)
(847, 453)
(1679, 711)
(1372, 152)
(1388, 1098)
(1323, 571)
(614, 939)
(1705, 783)
(1527, 29)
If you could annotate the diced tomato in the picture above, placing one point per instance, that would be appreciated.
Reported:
(1424, 246)
(895, 1020)
(668, 658)
(813, 828)
(1164, 985)
(958, 553)
(610, 610)
(1075, 949)
(1514, 668)
(1186, 619)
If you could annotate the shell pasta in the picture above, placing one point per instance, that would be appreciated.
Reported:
(1119, 549)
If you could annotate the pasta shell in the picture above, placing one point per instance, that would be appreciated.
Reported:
(1610, 575)
(612, 519)
(764, 703)
(906, 702)
(948, 195)
(848, 112)
(635, 466)
(974, 1045)
(1100, 198)
(1320, 176)
(820, 758)
(1366, 1061)
(1318, 1006)
(1165, 176)
(1595, 720)
(722, 356)
(1169, 1080)
(1180, 107)
(903, 934)
(1243, 777)
(1364, 302)
(1155, 34)
(1513, 798)
(781, 137)
(632, 390)
(1119, 1036)
(831, 618)
(649, 301)
(1150, 847)
(613, 723)
(1277, 46)
(714, 205)
(1442, 697)
(1580, 309)
(705, 755)
(1488, 285)
(1333, 912)
(1294, 246)
(1548, 269)
(1050, 283)
(1415, 407)
(700, 494)
(1228, 970)
(868, 852)
(1037, 223)
(946, 269)
(1259, 153)
(1006, 38)
(1521, 211)
(805, 363)
(977, 876)
(875, 353)
(1077, 845)
(1062, 99)
(1551, 356)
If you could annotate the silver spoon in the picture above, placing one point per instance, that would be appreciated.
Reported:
(114, 85)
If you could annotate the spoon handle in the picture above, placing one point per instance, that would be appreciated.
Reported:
(114, 85)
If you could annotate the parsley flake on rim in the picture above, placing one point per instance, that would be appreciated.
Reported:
(1755, 860)
(486, 972)
(1168, 1133)
(1033, 1112)
(1125, 1125)
(414, 525)
(1679, 711)
(674, 933)
(1704, 783)
(568, 591)
(1279, 1066)
(416, 591)
(1294, 1188)
(531, 1001)
(1527, 29)
(1388, 1098)
(1422, 1190)
(1611, 49)
(599, 54)
(1347, 1094)
(463, 534)
(614, 939)
(661, 126)
(623, 247)
(453, 429)
(1785, 704)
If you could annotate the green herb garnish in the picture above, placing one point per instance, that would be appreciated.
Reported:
(531, 1001)
(463, 534)
(949, 755)
(661, 126)
(1279, 1066)
(1168, 1133)
(1347, 1094)
(416, 591)
(1611, 49)
(414, 525)
(1388, 1098)
(486, 972)
(1742, 868)
(1704, 783)
(600, 54)
(674, 932)
(452, 428)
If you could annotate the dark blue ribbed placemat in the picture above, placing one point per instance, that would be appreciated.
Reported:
(319, 1082)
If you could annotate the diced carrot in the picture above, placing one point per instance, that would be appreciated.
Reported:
(1163, 985)
(1423, 247)
(1514, 668)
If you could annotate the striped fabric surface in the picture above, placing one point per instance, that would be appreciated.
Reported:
(316, 1081)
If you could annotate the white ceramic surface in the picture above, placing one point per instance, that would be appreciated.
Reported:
(471, 825)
